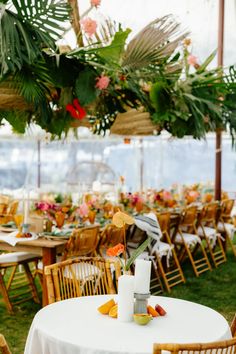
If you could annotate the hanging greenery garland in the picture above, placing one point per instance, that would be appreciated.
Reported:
(105, 75)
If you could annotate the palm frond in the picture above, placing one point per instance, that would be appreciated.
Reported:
(27, 27)
(44, 15)
(155, 42)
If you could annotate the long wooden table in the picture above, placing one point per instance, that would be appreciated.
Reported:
(47, 249)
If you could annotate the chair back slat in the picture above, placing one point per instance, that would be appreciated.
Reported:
(3, 208)
(209, 213)
(111, 236)
(227, 206)
(164, 221)
(13, 206)
(189, 216)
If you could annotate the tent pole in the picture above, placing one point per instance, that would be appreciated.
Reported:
(220, 57)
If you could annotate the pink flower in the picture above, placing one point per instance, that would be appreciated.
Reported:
(83, 210)
(44, 206)
(89, 26)
(192, 60)
(95, 2)
(166, 195)
(193, 194)
(102, 82)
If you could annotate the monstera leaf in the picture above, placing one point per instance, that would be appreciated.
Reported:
(25, 29)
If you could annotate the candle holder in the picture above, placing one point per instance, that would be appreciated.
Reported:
(141, 302)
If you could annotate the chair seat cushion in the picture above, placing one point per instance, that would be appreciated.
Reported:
(17, 257)
(190, 239)
(230, 228)
(210, 233)
(82, 271)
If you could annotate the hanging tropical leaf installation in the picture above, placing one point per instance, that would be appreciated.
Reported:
(106, 74)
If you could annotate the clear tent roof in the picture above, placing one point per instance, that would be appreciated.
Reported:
(199, 17)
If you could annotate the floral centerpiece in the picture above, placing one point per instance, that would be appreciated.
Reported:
(120, 220)
(164, 199)
(56, 213)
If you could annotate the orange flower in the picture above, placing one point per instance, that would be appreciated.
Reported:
(116, 250)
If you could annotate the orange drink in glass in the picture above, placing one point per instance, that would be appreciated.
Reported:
(19, 218)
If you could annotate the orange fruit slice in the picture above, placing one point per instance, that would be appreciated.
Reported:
(105, 308)
(152, 311)
(113, 311)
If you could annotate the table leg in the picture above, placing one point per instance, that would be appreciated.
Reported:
(49, 257)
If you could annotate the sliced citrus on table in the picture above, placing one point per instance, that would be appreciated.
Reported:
(105, 308)
(113, 311)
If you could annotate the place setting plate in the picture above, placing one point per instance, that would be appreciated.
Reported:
(8, 227)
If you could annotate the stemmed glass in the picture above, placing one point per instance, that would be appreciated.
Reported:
(19, 221)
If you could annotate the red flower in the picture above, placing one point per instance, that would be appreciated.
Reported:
(116, 250)
(75, 109)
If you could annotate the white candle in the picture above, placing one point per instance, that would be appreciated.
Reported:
(125, 298)
(26, 208)
(142, 276)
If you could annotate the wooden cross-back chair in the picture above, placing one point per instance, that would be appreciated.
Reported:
(81, 276)
(233, 326)
(169, 267)
(110, 237)
(4, 349)
(82, 242)
(10, 211)
(207, 230)
(135, 237)
(15, 284)
(226, 347)
(225, 225)
(188, 242)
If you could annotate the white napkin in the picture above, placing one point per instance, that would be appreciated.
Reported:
(12, 240)
(149, 223)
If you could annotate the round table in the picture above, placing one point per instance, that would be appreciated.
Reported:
(75, 326)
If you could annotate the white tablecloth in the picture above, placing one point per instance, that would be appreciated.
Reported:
(75, 326)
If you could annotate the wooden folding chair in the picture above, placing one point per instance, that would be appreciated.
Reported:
(82, 242)
(81, 276)
(207, 230)
(225, 225)
(15, 284)
(226, 347)
(169, 267)
(4, 349)
(233, 326)
(110, 237)
(188, 242)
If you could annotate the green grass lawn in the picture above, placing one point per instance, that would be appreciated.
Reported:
(215, 289)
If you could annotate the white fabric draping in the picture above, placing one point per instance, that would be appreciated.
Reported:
(75, 326)
(149, 223)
